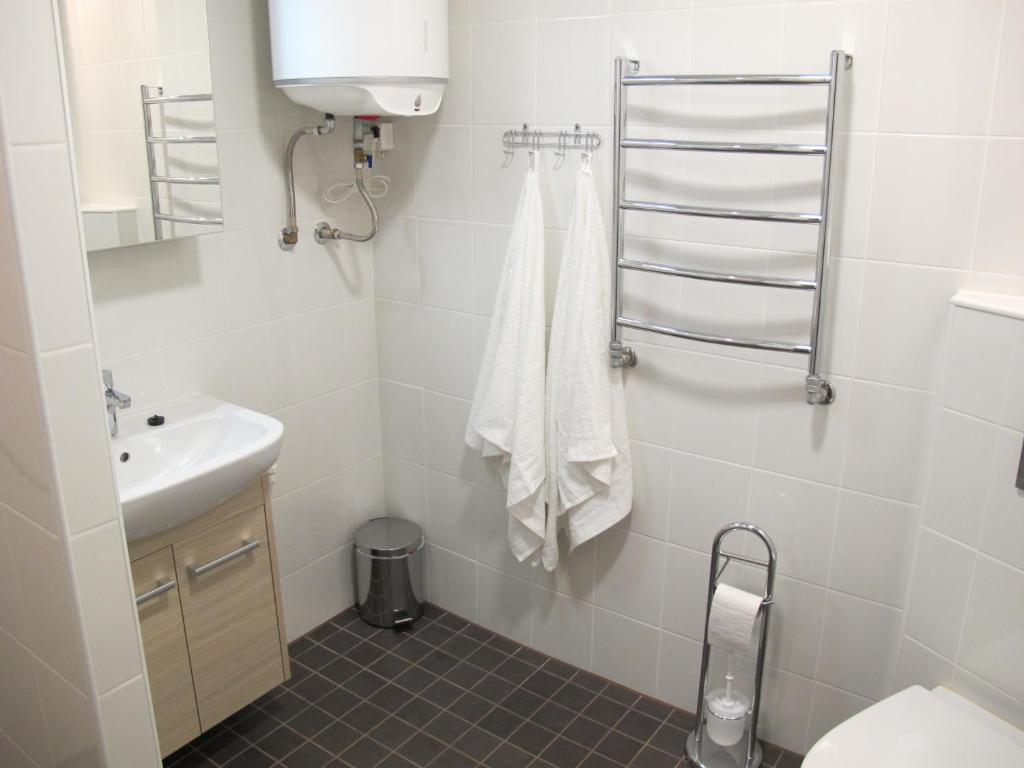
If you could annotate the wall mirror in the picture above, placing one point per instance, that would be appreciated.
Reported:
(142, 118)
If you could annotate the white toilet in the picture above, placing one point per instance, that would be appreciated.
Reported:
(918, 728)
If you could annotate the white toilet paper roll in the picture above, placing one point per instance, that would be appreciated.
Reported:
(733, 619)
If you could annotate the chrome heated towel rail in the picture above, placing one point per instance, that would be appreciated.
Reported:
(153, 95)
(819, 390)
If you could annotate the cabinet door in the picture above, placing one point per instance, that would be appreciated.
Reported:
(163, 641)
(227, 597)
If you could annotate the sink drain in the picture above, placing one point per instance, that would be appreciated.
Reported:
(125, 456)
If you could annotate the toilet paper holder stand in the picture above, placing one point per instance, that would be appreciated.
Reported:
(720, 559)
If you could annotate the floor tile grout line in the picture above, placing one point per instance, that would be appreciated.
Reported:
(533, 662)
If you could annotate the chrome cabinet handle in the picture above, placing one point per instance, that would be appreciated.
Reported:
(161, 588)
(248, 545)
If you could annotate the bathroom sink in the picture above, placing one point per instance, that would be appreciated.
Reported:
(203, 453)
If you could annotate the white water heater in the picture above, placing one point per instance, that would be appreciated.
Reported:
(352, 57)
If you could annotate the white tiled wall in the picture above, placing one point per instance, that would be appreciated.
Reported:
(927, 190)
(69, 637)
(965, 615)
(289, 334)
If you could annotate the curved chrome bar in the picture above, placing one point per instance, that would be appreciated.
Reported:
(290, 234)
(325, 231)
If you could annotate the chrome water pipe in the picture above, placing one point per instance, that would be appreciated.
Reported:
(289, 236)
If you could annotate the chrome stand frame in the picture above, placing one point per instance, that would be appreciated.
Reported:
(695, 741)
(819, 390)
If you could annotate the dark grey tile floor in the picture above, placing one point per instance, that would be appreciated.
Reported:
(445, 693)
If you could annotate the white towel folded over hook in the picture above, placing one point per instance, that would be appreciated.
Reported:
(590, 474)
(506, 422)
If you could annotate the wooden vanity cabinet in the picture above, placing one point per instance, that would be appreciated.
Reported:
(209, 603)
(165, 648)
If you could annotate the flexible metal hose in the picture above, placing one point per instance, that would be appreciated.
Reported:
(290, 234)
(325, 231)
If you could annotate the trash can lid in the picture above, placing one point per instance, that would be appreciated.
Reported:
(389, 537)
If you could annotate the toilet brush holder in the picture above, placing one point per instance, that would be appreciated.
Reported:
(725, 715)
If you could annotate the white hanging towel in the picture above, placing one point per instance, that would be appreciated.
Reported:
(506, 422)
(589, 468)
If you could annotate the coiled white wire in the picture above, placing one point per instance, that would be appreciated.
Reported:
(376, 187)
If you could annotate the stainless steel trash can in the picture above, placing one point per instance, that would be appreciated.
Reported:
(389, 572)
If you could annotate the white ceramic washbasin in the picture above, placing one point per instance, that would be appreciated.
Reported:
(205, 452)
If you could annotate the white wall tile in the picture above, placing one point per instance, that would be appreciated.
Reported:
(451, 513)
(800, 518)
(396, 266)
(794, 439)
(919, 665)
(400, 342)
(492, 541)
(925, 199)
(652, 486)
(977, 366)
(954, 95)
(47, 594)
(77, 737)
(128, 726)
(452, 581)
(300, 610)
(679, 671)
(706, 494)
(78, 424)
(961, 466)
(443, 176)
(44, 202)
(1008, 107)
(449, 366)
(859, 643)
(402, 421)
(330, 513)
(993, 638)
(333, 583)
(318, 355)
(446, 264)
(1013, 407)
(889, 433)
(562, 626)
(855, 27)
(291, 531)
(574, 575)
(684, 600)
(873, 549)
(795, 625)
(1002, 534)
(104, 593)
(503, 604)
(405, 486)
(31, 76)
(902, 331)
(577, 48)
(938, 595)
(988, 697)
(716, 406)
(787, 707)
(504, 94)
(1000, 232)
(626, 651)
(629, 575)
(21, 707)
(830, 707)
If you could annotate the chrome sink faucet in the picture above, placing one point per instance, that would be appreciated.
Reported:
(115, 401)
